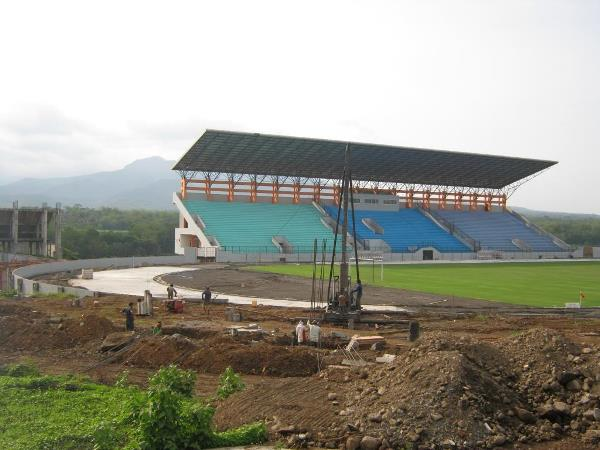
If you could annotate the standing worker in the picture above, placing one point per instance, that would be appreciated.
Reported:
(128, 313)
(314, 334)
(300, 332)
(171, 292)
(206, 296)
(356, 295)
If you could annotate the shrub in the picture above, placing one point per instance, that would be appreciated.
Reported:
(229, 382)
(174, 379)
(19, 370)
(8, 293)
(171, 419)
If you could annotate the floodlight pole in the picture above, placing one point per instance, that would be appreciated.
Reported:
(345, 190)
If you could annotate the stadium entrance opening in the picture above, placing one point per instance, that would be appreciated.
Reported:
(427, 255)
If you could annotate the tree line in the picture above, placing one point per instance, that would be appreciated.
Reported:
(107, 232)
(575, 231)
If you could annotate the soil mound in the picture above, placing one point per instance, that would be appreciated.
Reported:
(43, 332)
(256, 358)
(435, 395)
(461, 393)
(157, 351)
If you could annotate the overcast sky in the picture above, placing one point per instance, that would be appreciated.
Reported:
(89, 86)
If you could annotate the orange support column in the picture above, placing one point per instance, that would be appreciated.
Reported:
(473, 202)
(230, 187)
(426, 199)
(207, 190)
(275, 194)
(317, 193)
(458, 199)
(183, 188)
(409, 198)
(442, 201)
(253, 191)
(296, 192)
(336, 194)
(503, 201)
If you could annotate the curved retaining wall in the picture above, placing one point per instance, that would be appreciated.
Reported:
(26, 286)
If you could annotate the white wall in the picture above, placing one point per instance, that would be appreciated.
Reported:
(22, 275)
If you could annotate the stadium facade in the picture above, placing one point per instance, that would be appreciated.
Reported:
(254, 197)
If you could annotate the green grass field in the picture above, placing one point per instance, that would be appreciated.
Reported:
(534, 284)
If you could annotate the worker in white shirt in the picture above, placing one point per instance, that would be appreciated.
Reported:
(314, 334)
(300, 333)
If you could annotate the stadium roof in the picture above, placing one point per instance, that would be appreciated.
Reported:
(261, 154)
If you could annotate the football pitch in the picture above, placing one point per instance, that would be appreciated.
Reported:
(533, 284)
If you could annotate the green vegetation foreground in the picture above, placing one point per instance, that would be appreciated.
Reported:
(534, 284)
(64, 412)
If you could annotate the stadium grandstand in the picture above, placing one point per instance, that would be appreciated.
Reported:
(255, 197)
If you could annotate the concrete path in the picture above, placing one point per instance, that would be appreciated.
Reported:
(136, 281)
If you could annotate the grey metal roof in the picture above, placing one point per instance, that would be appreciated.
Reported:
(261, 154)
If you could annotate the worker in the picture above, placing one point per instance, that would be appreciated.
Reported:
(314, 334)
(300, 333)
(128, 313)
(171, 291)
(356, 294)
(157, 329)
(206, 296)
(343, 301)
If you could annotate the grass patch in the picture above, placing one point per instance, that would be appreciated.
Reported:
(67, 412)
(534, 284)
(54, 296)
(8, 293)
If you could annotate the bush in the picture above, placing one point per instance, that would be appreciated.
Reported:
(174, 379)
(19, 370)
(171, 419)
(229, 382)
(8, 293)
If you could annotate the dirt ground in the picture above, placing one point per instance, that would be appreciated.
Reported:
(291, 386)
(237, 281)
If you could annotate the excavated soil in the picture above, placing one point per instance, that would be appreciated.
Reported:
(215, 355)
(472, 382)
(21, 328)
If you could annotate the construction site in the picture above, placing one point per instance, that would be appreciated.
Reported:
(471, 379)
(329, 361)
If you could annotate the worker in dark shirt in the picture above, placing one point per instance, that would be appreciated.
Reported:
(171, 292)
(128, 313)
(206, 296)
(356, 294)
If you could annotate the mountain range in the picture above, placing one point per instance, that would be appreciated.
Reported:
(145, 183)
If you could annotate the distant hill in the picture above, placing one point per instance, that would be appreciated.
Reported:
(144, 184)
(553, 214)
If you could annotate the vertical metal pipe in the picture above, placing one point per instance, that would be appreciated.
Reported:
(346, 187)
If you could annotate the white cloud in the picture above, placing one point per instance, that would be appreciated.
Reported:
(89, 87)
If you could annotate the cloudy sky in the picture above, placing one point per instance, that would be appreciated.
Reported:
(89, 86)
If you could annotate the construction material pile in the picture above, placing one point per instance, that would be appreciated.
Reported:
(461, 393)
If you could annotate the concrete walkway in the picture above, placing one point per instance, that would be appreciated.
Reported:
(136, 281)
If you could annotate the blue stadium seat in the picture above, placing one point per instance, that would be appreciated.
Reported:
(404, 230)
(496, 230)
(251, 226)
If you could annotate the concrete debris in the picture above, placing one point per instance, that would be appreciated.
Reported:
(386, 359)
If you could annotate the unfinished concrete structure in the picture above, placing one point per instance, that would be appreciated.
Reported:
(31, 230)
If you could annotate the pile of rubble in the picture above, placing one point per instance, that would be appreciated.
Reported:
(461, 393)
